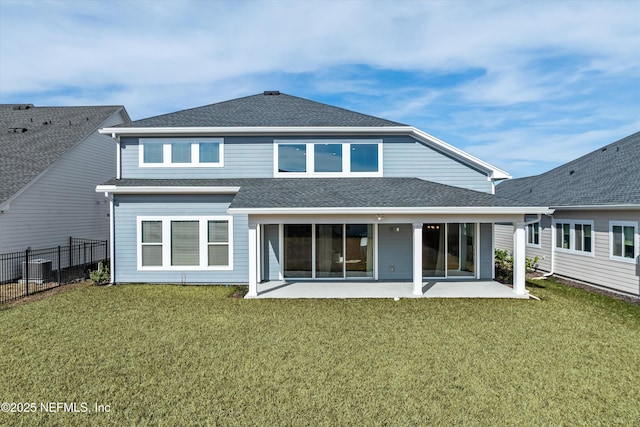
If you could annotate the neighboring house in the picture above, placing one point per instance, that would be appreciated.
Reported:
(593, 234)
(51, 159)
(275, 187)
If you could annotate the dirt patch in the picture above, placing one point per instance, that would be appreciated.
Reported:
(55, 289)
(584, 286)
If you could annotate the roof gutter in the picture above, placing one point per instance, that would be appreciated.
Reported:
(114, 189)
(493, 172)
(628, 206)
(538, 210)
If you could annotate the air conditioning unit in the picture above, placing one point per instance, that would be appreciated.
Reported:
(39, 271)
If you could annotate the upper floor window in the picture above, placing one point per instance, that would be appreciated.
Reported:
(181, 152)
(574, 235)
(328, 158)
(622, 240)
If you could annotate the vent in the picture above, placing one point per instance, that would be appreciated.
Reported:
(271, 92)
(22, 107)
(17, 130)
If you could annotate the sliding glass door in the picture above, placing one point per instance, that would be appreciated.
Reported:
(297, 251)
(448, 249)
(335, 251)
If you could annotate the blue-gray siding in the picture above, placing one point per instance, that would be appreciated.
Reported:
(129, 207)
(252, 157)
(271, 252)
(395, 252)
(486, 251)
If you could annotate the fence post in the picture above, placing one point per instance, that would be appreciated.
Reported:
(71, 264)
(59, 263)
(26, 268)
(84, 256)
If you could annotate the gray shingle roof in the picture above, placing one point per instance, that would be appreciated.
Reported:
(33, 138)
(607, 176)
(263, 110)
(337, 192)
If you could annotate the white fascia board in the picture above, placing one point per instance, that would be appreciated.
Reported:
(399, 210)
(496, 173)
(622, 207)
(257, 130)
(166, 190)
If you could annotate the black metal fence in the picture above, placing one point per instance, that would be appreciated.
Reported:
(34, 270)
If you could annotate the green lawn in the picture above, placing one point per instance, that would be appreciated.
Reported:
(174, 355)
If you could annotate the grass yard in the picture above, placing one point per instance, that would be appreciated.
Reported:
(174, 355)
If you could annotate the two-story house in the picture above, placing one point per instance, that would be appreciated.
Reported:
(275, 187)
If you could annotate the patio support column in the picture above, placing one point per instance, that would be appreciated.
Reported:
(417, 259)
(253, 260)
(519, 267)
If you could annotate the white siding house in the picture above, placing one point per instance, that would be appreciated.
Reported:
(51, 159)
(593, 235)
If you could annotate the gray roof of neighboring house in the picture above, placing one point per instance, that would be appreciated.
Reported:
(337, 192)
(607, 176)
(269, 109)
(31, 138)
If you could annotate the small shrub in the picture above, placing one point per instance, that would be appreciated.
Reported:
(101, 276)
(504, 265)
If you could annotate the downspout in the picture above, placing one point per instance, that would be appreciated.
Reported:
(553, 252)
(112, 235)
(118, 155)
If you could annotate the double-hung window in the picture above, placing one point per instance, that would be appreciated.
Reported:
(327, 158)
(575, 236)
(623, 240)
(185, 243)
(533, 234)
(181, 152)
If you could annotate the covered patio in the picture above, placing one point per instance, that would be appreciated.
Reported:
(385, 289)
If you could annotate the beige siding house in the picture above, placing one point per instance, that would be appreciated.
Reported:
(593, 235)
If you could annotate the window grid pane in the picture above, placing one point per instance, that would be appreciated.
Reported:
(152, 153)
(364, 157)
(209, 152)
(587, 238)
(327, 157)
(180, 152)
(292, 158)
(152, 255)
(218, 232)
(185, 243)
(218, 255)
(629, 249)
(151, 231)
(579, 235)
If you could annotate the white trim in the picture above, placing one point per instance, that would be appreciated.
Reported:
(493, 172)
(527, 235)
(396, 210)
(519, 255)
(166, 242)
(309, 144)
(118, 157)
(636, 241)
(167, 156)
(165, 189)
(622, 207)
(417, 257)
(572, 236)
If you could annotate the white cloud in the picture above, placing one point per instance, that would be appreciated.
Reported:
(541, 68)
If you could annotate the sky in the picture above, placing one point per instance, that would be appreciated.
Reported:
(524, 85)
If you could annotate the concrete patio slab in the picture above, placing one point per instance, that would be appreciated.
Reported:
(357, 289)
